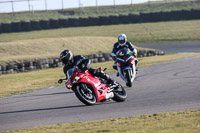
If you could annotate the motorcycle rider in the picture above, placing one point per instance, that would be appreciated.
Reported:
(122, 43)
(83, 64)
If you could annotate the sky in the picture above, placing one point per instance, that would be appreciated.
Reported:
(23, 5)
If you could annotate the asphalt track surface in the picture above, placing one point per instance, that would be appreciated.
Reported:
(170, 86)
(169, 48)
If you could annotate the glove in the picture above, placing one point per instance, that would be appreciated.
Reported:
(134, 54)
(114, 58)
(83, 66)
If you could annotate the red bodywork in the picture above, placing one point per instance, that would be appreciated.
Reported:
(132, 61)
(85, 77)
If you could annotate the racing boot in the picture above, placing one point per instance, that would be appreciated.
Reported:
(136, 61)
(117, 74)
(109, 80)
(105, 76)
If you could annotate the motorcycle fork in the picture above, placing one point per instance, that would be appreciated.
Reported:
(121, 74)
(133, 72)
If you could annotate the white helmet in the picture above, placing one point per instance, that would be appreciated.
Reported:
(122, 39)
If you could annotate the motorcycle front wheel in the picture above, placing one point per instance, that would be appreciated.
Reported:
(85, 94)
(119, 93)
(128, 77)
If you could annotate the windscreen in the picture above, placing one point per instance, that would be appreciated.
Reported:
(123, 52)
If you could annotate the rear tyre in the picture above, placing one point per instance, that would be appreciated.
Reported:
(119, 93)
(128, 77)
(87, 97)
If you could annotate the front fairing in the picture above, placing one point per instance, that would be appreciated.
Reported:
(124, 56)
(100, 89)
(126, 67)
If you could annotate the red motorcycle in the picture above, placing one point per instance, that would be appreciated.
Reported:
(90, 90)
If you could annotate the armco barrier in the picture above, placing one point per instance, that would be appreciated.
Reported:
(55, 62)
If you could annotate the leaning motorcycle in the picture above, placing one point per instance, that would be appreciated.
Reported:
(90, 90)
(126, 66)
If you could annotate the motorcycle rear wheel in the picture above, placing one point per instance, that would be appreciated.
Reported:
(88, 97)
(119, 94)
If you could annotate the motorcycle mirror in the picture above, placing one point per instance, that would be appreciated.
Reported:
(104, 69)
(60, 81)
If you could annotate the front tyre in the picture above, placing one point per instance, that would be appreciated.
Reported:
(119, 93)
(128, 78)
(85, 94)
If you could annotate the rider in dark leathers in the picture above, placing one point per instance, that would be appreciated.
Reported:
(83, 64)
(122, 43)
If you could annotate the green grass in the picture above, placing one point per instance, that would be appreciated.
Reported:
(137, 33)
(169, 122)
(102, 11)
(87, 40)
(51, 47)
(18, 83)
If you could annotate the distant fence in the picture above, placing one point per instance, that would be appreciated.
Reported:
(55, 62)
(101, 20)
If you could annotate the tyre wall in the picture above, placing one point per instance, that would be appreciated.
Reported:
(55, 62)
(35, 25)
(6, 27)
(101, 20)
(16, 26)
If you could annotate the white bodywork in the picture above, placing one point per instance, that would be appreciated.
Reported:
(132, 73)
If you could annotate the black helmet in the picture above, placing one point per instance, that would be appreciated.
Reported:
(66, 56)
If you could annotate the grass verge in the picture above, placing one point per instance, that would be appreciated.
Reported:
(173, 31)
(49, 43)
(170, 122)
(51, 47)
(18, 83)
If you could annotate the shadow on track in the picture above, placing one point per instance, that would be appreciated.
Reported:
(57, 108)
(45, 109)
(37, 96)
(60, 93)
